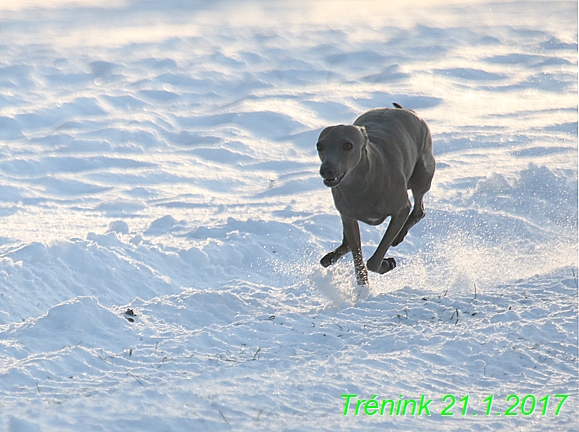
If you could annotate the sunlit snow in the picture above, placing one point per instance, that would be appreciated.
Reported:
(163, 216)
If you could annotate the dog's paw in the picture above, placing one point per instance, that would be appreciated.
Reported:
(329, 259)
(386, 265)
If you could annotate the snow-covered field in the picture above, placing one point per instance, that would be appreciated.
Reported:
(159, 157)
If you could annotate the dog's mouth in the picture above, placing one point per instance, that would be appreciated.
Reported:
(335, 181)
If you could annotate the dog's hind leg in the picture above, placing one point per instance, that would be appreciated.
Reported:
(419, 184)
(414, 217)
(335, 255)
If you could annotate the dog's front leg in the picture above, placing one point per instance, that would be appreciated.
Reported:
(352, 236)
(377, 263)
(336, 254)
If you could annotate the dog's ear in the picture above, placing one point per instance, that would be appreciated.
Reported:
(363, 130)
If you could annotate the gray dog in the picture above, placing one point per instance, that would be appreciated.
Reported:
(370, 166)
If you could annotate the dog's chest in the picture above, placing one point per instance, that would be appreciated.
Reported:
(363, 207)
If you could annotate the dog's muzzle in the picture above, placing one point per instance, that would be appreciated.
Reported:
(333, 181)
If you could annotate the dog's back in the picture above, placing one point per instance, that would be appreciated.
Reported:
(399, 134)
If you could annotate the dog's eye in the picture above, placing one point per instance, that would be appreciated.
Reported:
(319, 146)
(347, 146)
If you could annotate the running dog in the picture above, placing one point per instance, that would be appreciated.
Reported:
(370, 166)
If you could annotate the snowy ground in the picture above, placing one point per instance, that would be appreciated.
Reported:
(160, 157)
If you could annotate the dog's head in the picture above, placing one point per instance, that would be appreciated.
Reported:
(340, 149)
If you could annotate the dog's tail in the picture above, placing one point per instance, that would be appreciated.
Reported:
(397, 105)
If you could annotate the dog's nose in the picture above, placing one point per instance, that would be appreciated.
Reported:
(327, 172)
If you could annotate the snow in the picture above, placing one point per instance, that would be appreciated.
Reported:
(163, 217)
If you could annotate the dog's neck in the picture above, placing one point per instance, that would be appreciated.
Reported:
(359, 178)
